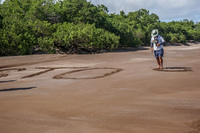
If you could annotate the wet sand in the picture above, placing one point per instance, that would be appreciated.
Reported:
(115, 92)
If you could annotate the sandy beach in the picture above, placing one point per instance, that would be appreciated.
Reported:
(117, 92)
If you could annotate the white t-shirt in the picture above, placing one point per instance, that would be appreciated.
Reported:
(155, 40)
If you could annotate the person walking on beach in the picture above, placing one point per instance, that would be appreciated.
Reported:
(157, 42)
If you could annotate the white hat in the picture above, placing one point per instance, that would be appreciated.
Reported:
(154, 32)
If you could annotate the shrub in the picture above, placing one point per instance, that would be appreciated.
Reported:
(182, 38)
(70, 36)
(174, 39)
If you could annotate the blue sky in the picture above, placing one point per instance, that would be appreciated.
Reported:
(167, 10)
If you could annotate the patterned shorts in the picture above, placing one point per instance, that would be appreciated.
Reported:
(159, 53)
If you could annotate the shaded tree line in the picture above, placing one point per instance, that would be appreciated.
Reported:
(78, 26)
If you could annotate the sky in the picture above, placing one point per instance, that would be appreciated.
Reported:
(167, 10)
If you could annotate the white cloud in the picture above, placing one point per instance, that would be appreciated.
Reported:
(167, 10)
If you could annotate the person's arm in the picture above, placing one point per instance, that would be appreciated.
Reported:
(161, 41)
(151, 45)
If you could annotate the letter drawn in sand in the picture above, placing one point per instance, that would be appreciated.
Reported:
(78, 73)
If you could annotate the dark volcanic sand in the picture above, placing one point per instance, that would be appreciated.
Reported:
(102, 93)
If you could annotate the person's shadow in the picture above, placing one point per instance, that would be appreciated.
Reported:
(16, 89)
(174, 69)
(7, 81)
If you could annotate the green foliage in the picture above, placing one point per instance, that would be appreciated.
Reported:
(180, 32)
(195, 33)
(123, 30)
(182, 38)
(143, 22)
(174, 39)
(16, 38)
(77, 24)
(40, 28)
(140, 35)
(69, 35)
(46, 44)
(1, 17)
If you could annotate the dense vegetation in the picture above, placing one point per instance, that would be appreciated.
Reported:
(81, 27)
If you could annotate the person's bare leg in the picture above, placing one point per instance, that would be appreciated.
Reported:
(158, 62)
(161, 62)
